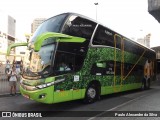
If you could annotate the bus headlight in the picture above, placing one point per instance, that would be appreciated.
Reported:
(45, 85)
(49, 84)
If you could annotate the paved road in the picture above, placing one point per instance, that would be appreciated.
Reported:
(140, 102)
(137, 100)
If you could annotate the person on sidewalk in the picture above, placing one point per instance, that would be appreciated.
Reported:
(12, 80)
(7, 67)
(14, 63)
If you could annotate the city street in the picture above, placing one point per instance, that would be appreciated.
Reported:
(136, 100)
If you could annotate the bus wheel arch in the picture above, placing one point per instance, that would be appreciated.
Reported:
(93, 92)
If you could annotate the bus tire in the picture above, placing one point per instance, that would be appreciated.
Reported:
(92, 93)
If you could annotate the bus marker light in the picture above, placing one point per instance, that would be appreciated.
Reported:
(42, 95)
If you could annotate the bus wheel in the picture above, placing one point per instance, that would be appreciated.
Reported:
(91, 94)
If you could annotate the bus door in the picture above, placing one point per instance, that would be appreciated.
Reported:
(118, 62)
(66, 66)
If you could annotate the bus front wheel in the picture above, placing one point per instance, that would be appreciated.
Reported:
(91, 94)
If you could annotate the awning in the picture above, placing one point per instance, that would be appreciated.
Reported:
(154, 9)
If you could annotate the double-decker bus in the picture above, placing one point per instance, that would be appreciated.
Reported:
(72, 57)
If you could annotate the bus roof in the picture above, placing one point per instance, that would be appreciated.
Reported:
(134, 42)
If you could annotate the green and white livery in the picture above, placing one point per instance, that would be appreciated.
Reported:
(73, 57)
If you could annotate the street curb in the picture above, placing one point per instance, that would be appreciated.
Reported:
(8, 95)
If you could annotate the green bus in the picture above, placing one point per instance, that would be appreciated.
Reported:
(73, 57)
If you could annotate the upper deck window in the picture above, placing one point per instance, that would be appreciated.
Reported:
(53, 24)
(103, 36)
(79, 27)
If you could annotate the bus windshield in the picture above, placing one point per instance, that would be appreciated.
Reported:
(38, 63)
(53, 24)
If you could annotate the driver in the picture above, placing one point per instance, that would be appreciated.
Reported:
(64, 67)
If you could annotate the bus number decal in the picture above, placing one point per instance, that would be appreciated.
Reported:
(76, 78)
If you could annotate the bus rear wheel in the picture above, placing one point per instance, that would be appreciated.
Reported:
(91, 94)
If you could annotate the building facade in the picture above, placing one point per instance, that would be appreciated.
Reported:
(36, 23)
(157, 50)
(7, 33)
(145, 41)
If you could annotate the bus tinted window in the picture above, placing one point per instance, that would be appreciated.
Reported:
(118, 42)
(103, 36)
(67, 60)
(80, 27)
(107, 68)
(133, 48)
(51, 25)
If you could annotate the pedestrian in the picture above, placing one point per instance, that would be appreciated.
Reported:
(14, 63)
(7, 68)
(21, 65)
(12, 80)
(18, 67)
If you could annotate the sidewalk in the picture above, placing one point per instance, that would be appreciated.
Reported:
(4, 84)
(5, 88)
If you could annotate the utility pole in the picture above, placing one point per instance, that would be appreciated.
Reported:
(96, 9)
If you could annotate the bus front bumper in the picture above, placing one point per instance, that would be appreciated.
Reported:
(44, 95)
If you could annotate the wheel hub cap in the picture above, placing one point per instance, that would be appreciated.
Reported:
(91, 93)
